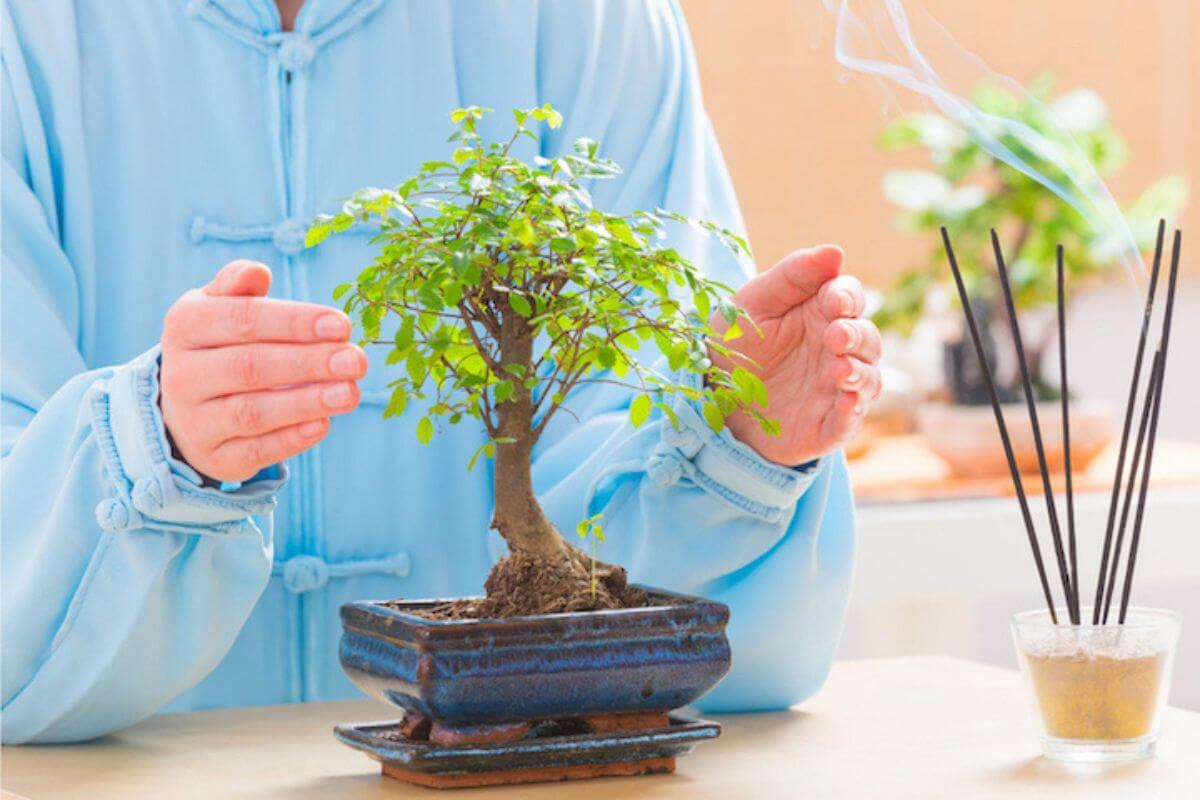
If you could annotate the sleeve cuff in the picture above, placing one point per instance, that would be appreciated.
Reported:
(725, 467)
(152, 489)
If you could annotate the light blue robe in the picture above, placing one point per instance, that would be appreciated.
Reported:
(145, 147)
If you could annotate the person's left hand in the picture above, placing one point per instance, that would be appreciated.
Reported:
(817, 356)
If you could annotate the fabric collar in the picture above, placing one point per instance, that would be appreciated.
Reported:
(261, 17)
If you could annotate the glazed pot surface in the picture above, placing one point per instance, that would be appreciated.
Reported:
(659, 657)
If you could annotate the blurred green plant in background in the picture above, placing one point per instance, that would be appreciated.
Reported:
(970, 191)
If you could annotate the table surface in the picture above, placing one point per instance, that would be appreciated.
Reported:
(896, 728)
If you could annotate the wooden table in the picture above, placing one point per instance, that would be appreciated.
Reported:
(881, 728)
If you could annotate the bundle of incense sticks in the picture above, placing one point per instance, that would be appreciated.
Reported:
(1124, 486)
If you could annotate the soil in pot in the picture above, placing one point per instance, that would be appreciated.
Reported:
(522, 584)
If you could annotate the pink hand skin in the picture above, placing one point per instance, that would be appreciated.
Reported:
(248, 381)
(817, 356)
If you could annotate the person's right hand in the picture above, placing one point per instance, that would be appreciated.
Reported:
(248, 381)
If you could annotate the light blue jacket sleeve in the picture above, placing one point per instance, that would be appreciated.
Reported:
(123, 580)
(688, 509)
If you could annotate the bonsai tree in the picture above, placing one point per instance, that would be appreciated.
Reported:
(502, 290)
(971, 191)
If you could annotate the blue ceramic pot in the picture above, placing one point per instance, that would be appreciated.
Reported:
(556, 665)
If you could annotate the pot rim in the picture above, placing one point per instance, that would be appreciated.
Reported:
(378, 607)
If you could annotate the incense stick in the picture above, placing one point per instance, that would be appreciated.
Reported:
(1031, 403)
(1130, 404)
(977, 341)
(1066, 426)
(1137, 521)
(1133, 471)
(1165, 339)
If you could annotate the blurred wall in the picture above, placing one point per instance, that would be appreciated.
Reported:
(800, 134)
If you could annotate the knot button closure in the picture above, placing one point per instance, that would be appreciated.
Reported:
(288, 236)
(664, 470)
(295, 51)
(147, 494)
(114, 514)
(305, 574)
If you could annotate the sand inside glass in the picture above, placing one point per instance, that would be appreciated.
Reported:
(1100, 697)
(1096, 684)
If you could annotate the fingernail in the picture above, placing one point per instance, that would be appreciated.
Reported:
(337, 395)
(312, 429)
(855, 375)
(333, 328)
(855, 337)
(345, 363)
(847, 301)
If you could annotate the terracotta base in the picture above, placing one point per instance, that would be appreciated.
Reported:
(491, 733)
(464, 780)
(627, 721)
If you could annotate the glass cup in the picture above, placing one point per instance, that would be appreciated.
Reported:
(1097, 691)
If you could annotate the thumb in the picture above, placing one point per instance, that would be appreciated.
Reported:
(240, 279)
(795, 279)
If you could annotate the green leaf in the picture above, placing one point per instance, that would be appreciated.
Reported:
(340, 290)
(425, 430)
(620, 231)
(486, 449)
(639, 410)
(405, 334)
(416, 366)
(753, 390)
(397, 403)
(504, 390)
(677, 355)
(520, 305)
(669, 412)
(521, 229)
(714, 417)
(317, 234)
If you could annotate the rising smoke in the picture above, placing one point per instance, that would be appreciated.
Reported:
(876, 38)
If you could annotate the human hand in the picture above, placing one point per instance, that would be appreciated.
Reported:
(248, 381)
(817, 356)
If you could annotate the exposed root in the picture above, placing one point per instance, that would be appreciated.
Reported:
(522, 585)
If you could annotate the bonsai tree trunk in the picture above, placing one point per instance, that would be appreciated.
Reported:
(519, 517)
(543, 572)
